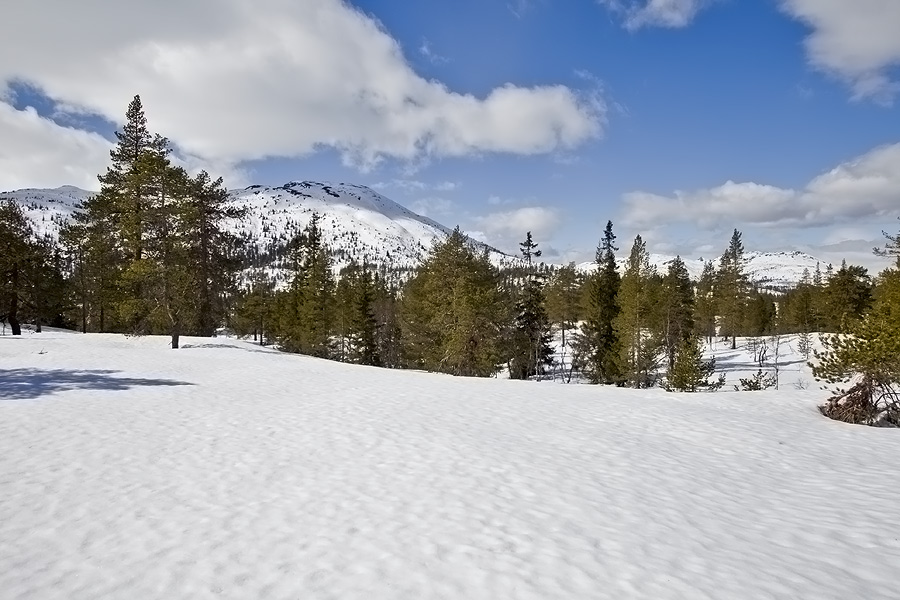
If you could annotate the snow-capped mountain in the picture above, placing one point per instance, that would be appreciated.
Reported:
(357, 222)
(774, 270)
(47, 209)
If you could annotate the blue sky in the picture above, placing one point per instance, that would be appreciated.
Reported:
(637, 111)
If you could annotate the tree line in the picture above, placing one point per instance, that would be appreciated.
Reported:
(151, 254)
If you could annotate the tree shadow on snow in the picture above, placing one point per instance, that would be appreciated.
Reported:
(28, 384)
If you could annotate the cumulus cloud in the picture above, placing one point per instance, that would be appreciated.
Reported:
(856, 41)
(433, 206)
(37, 152)
(865, 187)
(505, 229)
(234, 80)
(656, 13)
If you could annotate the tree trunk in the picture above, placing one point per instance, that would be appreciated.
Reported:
(13, 313)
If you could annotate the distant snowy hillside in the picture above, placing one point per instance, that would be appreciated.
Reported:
(767, 269)
(357, 222)
(48, 209)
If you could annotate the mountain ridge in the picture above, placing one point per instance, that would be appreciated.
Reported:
(360, 224)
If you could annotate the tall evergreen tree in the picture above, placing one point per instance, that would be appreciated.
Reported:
(639, 351)
(676, 307)
(564, 307)
(531, 351)
(731, 288)
(848, 295)
(214, 252)
(20, 260)
(705, 307)
(307, 314)
(454, 312)
(598, 344)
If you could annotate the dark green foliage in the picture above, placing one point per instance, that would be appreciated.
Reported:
(760, 318)
(531, 350)
(306, 310)
(149, 253)
(867, 357)
(31, 285)
(676, 309)
(731, 288)
(597, 347)
(705, 306)
(454, 312)
(759, 382)
(848, 295)
(639, 349)
(254, 310)
(690, 372)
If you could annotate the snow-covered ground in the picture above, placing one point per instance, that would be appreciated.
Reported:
(222, 470)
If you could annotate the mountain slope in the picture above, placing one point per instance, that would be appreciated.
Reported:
(767, 269)
(357, 223)
(48, 209)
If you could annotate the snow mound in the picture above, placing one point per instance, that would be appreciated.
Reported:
(225, 470)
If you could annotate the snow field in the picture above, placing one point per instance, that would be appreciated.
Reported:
(223, 470)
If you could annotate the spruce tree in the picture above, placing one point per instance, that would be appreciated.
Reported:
(531, 350)
(638, 354)
(691, 372)
(598, 344)
(19, 256)
(848, 295)
(676, 309)
(705, 306)
(731, 288)
(214, 252)
(454, 312)
(307, 313)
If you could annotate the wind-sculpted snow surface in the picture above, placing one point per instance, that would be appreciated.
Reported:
(223, 470)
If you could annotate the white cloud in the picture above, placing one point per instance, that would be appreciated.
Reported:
(433, 57)
(232, 80)
(505, 229)
(656, 13)
(36, 152)
(865, 187)
(432, 207)
(414, 185)
(856, 40)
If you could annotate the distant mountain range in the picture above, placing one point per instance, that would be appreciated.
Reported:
(361, 224)
(766, 269)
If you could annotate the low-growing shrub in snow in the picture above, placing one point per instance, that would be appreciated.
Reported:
(760, 381)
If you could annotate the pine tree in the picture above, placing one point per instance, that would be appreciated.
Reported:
(564, 307)
(307, 310)
(531, 350)
(598, 344)
(19, 255)
(848, 295)
(454, 312)
(731, 288)
(213, 251)
(690, 371)
(676, 309)
(639, 351)
(867, 357)
(705, 307)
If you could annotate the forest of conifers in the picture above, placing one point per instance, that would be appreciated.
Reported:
(149, 254)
